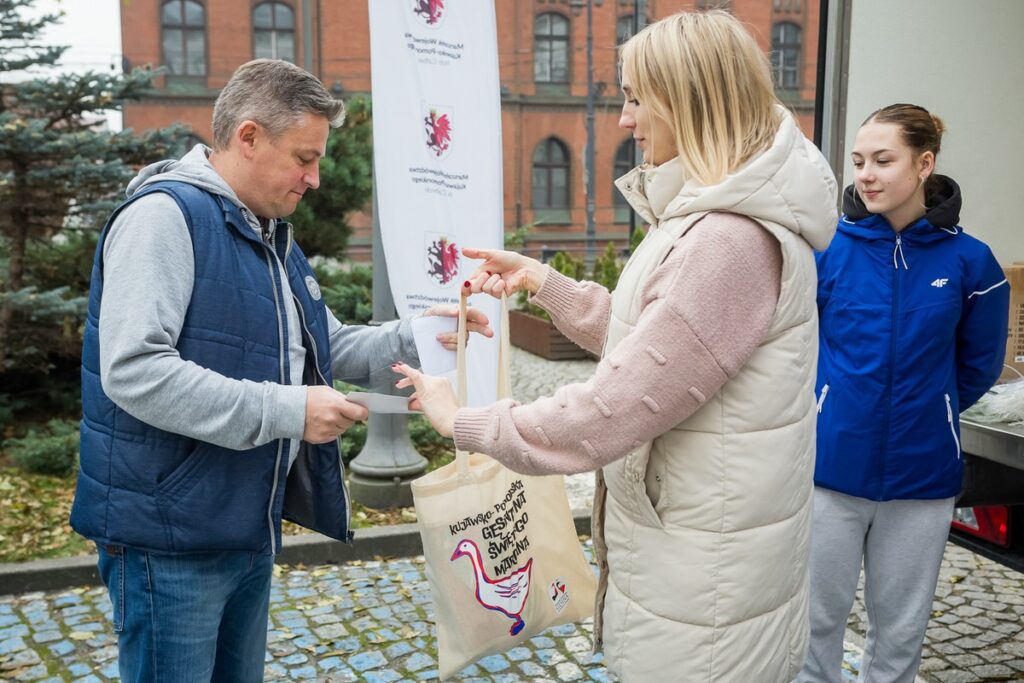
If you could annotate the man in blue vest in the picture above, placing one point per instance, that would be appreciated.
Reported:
(209, 412)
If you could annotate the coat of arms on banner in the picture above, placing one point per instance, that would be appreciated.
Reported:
(443, 259)
(430, 12)
(437, 123)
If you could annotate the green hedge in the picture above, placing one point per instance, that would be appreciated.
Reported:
(52, 449)
(607, 268)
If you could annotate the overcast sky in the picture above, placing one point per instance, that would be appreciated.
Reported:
(92, 29)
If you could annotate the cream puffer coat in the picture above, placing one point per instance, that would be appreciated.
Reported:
(702, 535)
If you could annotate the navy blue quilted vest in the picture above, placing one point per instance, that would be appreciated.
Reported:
(155, 490)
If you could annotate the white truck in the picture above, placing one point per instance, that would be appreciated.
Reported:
(964, 61)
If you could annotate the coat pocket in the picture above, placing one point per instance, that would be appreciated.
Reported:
(952, 425)
(644, 480)
(180, 480)
(821, 397)
(625, 481)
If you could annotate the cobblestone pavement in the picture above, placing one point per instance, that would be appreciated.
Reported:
(975, 633)
(371, 621)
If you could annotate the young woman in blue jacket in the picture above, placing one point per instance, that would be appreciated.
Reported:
(913, 320)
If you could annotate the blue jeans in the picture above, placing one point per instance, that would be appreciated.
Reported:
(188, 618)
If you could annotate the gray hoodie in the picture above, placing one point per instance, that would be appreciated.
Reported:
(148, 276)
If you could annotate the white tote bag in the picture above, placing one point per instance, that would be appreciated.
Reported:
(502, 556)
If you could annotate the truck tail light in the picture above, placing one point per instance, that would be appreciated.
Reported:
(988, 522)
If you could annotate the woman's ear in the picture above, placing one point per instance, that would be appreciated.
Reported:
(926, 165)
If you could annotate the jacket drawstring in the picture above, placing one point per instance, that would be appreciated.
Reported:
(899, 248)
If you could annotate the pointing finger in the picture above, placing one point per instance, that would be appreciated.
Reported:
(471, 252)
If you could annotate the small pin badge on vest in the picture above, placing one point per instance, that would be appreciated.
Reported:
(313, 287)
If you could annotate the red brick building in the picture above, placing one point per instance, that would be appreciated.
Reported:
(543, 75)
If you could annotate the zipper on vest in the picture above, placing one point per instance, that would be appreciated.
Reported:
(312, 342)
(952, 427)
(316, 364)
(821, 399)
(275, 273)
(288, 246)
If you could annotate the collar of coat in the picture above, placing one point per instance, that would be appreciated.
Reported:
(940, 220)
(789, 184)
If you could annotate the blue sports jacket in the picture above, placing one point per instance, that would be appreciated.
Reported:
(147, 488)
(913, 330)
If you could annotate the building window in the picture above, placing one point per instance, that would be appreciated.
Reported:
(786, 55)
(624, 163)
(793, 6)
(183, 28)
(551, 49)
(623, 32)
(551, 181)
(273, 31)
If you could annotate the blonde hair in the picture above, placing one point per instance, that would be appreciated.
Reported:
(704, 74)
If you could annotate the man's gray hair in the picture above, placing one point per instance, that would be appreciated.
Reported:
(275, 94)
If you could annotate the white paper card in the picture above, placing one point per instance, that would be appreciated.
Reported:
(380, 403)
(434, 358)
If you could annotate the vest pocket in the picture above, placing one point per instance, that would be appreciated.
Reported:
(178, 482)
(952, 425)
(636, 472)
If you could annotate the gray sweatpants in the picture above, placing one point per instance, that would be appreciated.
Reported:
(901, 543)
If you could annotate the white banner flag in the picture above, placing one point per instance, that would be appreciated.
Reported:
(437, 156)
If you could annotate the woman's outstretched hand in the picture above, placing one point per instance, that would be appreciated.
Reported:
(505, 272)
(434, 396)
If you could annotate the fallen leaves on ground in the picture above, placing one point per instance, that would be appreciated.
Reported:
(34, 512)
(363, 517)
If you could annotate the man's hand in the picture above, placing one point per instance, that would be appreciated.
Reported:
(476, 321)
(328, 414)
(504, 272)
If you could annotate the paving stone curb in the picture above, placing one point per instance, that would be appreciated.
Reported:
(399, 540)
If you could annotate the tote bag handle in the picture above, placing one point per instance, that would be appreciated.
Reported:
(504, 360)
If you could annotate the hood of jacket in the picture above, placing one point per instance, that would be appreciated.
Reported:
(940, 220)
(789, 184)
(195, 169)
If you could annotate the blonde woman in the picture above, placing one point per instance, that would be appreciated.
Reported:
(700, 416)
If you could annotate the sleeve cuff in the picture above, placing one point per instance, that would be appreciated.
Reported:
(471, 428)
(557, 295)
(289, 411)
(408, 351)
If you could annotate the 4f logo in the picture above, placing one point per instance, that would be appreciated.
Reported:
(940, 282)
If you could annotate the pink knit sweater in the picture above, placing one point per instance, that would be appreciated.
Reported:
(705, 310)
